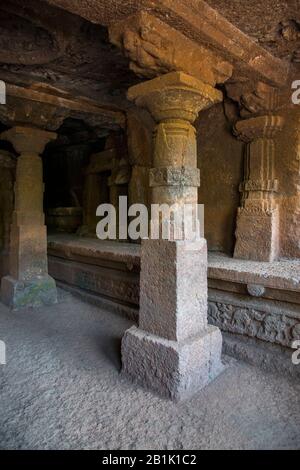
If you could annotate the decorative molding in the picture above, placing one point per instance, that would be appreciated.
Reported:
(280, 329)
(174, 176)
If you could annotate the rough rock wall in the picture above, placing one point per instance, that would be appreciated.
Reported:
(220, 159)
(288, 173)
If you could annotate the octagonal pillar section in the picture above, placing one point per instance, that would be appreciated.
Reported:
(28, 283)
(173, 351)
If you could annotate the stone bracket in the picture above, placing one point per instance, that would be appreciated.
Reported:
(155, 48)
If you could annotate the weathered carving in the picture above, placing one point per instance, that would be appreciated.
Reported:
(178, 176)
(253, 97)
(127, 291)
(256, 290)
(280, 329)
(154, 48)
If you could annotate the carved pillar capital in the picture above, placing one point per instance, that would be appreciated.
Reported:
(254, 98)
(175, 95)
(174, 100)
(28, 139)
(259, 127)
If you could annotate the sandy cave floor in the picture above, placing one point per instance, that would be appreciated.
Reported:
(61, 389)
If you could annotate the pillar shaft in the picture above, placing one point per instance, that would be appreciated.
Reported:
(257, 232)
(173, 351)
(28, 283)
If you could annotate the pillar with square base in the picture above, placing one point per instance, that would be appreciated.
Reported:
(173, 351)
(257, 231)
(28, 283)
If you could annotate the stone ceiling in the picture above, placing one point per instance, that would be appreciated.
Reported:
(274, 24)
(39, 43)
(42, 41)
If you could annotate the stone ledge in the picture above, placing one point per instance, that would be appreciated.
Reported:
(72, 247)
(282, 275)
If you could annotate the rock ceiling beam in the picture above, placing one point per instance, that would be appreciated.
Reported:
(45, 107)
(155, 48)
(198, 22)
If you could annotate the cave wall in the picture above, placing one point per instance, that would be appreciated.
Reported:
(220, 159)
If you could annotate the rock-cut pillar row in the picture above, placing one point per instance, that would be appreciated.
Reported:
(28, 282)
(173, 350)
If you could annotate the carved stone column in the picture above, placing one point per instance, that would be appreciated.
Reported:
(173, 351)
(28, 283)
(257, 232)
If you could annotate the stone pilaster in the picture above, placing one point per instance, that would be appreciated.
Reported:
(257, 231)
(173, 351)
(28, 283)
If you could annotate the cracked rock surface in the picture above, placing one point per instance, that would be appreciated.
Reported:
(61, 389)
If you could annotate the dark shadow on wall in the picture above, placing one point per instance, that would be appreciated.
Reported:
(220, 159)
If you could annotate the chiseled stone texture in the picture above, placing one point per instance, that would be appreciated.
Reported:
(173, 288)
(261, 243)
(173, 369)
(61, 389)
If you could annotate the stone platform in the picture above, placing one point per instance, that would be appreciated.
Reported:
(257, 300)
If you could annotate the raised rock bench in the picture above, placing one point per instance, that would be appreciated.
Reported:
(254, 299)
(107, 269)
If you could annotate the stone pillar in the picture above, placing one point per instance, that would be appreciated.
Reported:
(173, 351)
(28, 283)
(257, 231)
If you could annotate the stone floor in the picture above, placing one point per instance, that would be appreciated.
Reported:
(61, 389)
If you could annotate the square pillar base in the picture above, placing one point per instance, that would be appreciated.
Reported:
(33, 293)
(173, 369)
(257, 236)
